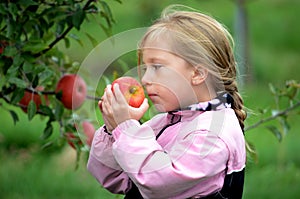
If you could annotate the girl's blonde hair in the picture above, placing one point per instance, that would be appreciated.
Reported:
(203, 42)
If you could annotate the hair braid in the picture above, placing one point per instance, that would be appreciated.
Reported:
(238, 103)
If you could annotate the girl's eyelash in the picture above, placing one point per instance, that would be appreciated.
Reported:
(156, 66)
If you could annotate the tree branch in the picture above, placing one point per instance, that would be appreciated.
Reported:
(63, 35)
(19, 105)
(281, 113)
(54, 93)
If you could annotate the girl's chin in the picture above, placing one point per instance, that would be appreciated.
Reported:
(160, 108)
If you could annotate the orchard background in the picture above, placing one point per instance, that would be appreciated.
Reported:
(44, 145)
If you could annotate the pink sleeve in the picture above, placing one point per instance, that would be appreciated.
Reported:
(103, 166)
(194, 164)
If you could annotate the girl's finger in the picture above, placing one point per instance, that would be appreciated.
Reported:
(119, 97)
(109, 94)
(106, 103)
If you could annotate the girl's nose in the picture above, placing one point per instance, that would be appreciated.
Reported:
(147, 77)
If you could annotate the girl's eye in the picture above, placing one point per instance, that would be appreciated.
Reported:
(153, 67)
(156, 66)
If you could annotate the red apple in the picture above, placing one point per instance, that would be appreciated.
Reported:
(131, 89)
(88, 134)
(28, 96)
(89, 131)
(73, 90)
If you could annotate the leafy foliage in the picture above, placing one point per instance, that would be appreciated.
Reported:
(286, 103)
(29, 57)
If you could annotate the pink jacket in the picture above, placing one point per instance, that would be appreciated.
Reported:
(190, 157)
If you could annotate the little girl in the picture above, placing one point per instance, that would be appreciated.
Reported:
(195, 147)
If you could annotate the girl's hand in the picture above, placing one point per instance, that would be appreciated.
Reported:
(116, 110)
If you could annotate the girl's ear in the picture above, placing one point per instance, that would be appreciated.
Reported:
(199, 76)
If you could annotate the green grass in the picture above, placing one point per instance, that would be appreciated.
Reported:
(23, 175)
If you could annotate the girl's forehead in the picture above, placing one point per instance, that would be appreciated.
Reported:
(151, 53)
(157, 44)
(158, 47)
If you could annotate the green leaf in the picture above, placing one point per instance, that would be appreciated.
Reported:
(291, 92)
(28, 67)
(92, 39)
(92, 9)
(285, 125)
(78, 18)
(13, 69)
(17, 95)
(67, 42)
(275, 132)
(11, 26)
(59, 110)
(10, 51)
(76, 38)
(27, 2)
(70, 128)
(35, 81)
(46, 76)
(18, 82)
(251, 151)
(47, 111)
(106, 13)
(272, 89)
(47, 131)
(60, 26)
(31, 110)
(18, 60)
(47, 145)
(39, 68)
(35, 47)
(107, 31)
(14, 116)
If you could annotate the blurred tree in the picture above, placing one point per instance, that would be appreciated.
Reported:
(242, 42)
(31, 63)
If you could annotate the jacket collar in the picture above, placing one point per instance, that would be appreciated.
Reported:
(223, 100)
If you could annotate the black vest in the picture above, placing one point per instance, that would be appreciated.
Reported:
(232, 188)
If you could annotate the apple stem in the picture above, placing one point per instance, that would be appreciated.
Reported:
(132, 90)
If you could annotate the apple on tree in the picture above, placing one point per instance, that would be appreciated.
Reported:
(73, 91)
(89, 131)
(131, 89)
(74, 139)
(28, 96)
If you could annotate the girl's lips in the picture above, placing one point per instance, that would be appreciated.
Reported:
(152, 94)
